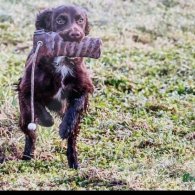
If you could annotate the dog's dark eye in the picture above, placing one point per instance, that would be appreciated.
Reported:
(61, 20)
(80, 21)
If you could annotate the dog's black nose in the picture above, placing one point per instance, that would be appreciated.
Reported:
(75, 35)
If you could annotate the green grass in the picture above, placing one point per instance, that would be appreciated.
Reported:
(139, 131)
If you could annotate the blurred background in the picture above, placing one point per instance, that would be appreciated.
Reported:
(139, 130)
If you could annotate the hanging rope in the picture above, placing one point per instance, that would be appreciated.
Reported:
(32, 125)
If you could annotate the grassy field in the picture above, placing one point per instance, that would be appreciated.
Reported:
(139, 131)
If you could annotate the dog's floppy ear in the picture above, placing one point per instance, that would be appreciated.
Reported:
(43, 20)
(87, 28)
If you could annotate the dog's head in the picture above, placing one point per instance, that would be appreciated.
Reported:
(70, 22)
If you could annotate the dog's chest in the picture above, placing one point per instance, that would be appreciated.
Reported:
(64, 70)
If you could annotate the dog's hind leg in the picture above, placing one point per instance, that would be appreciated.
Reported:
(69, 128)
(71, 150)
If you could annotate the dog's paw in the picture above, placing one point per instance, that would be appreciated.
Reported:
(45, 122)
(44, 119)
(74, 165)
(27, 157)
(72, 158)
(64, 131)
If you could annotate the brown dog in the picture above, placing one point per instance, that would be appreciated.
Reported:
(61, 84)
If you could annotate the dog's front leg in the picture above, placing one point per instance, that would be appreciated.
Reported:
(29, 148)
(69, 128)
(25, 119)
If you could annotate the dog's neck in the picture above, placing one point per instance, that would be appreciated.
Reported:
(65, 65)
(70, 62)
